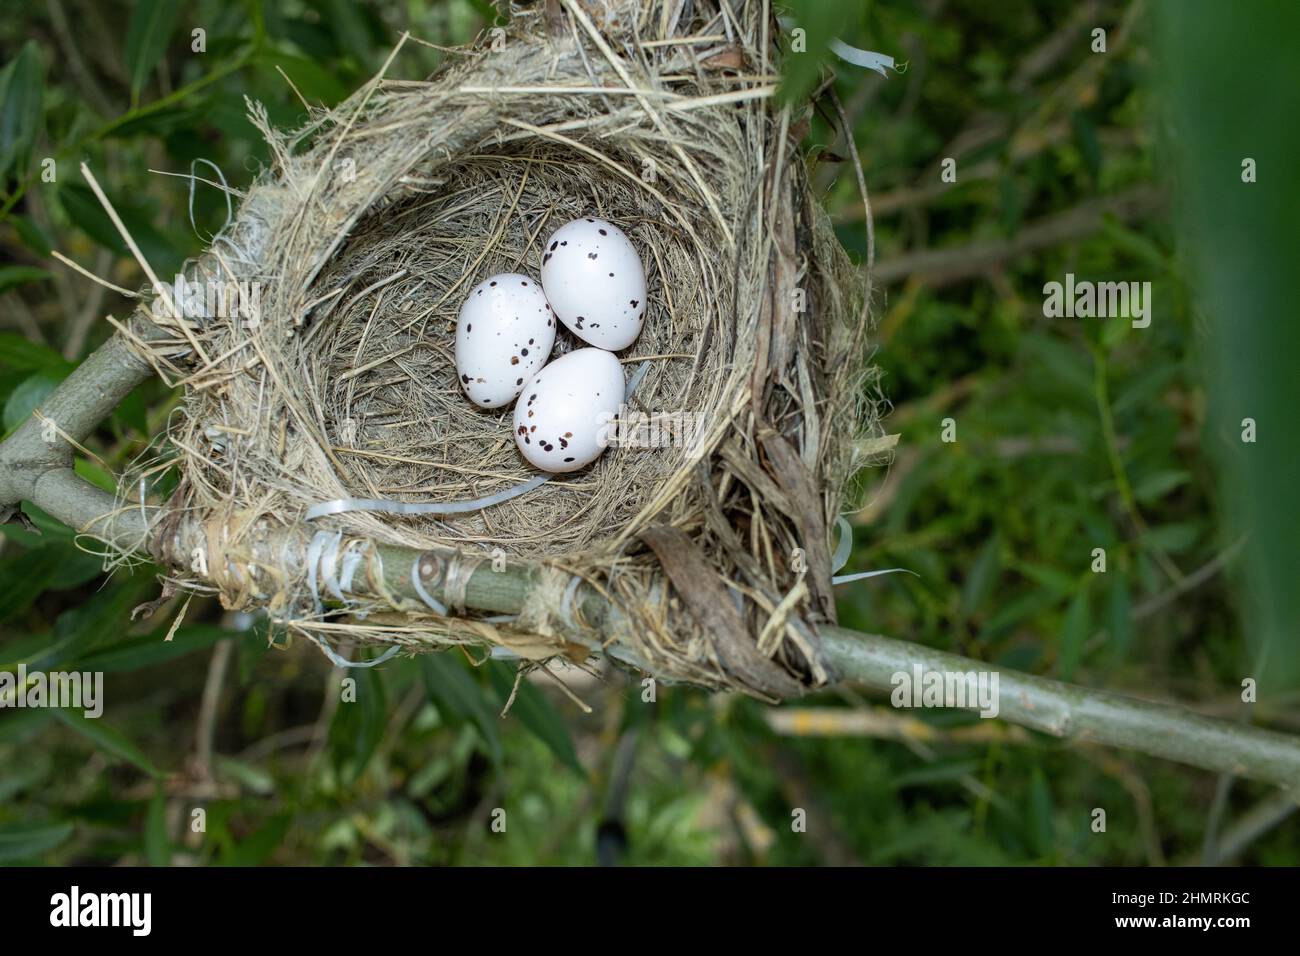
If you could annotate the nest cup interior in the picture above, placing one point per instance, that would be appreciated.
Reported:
(381, 353)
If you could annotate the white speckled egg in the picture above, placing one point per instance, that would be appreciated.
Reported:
(595, 282)
(565, 414)
(503, 336)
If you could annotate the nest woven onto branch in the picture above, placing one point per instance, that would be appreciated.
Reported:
(375, 221)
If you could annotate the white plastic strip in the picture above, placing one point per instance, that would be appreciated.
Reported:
(338, 660)
(313, 558)
(425, 596)
(351, 561)
(328, 560)
(862, 575)
(844, 546)
(880, 62)
(340, 505)
(864, 58)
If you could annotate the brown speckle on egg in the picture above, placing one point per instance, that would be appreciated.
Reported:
(634, 301)
(493, 282)
(602, 231)
(514, 359)
(568, 459)
(519, 381)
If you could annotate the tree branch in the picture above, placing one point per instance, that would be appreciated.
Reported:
(1083, 714)
(40, 471)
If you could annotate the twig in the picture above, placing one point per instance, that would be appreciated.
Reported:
(1082, 714)
(206, 726)
(1249, 827)
(938, 267)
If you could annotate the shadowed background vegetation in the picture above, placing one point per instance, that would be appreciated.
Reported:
(1071, 435)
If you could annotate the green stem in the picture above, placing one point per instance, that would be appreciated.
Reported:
(1102, 391)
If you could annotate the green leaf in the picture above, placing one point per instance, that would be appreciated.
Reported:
(24, 775)
(257, 848)
(157, 848)
(1016, 610)
(983, 575)
(1173, 538)
(450, 685)
(1119, 620)
(536, 713)
(1074, 634)
(1040, 814)
(133, 412)
(11, 276)
(95, 473)
(23, 725)
(28, 356)
(820, 22)
(82, 627)
(86, 213)
(358, 725)
(33, 236)
(105, 738)
(147, 34)
(312, 80)
(20, 108)
(251, 778)
(1158, 484)
(137, 652)
(351, 28)
(23, 576)
(27, 397)
(27, 841)
(1085, 138)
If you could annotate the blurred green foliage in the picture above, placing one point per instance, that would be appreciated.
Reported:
(1071, 435)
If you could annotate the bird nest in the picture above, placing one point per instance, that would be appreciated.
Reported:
(330, 376)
